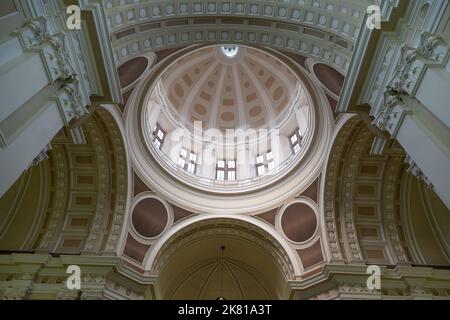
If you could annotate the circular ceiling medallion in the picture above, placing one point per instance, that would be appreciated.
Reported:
(149, 218)
(299, 222)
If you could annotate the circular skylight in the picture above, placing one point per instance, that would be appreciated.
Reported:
(230, 51)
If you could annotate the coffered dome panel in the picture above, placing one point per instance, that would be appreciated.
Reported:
(247, 89)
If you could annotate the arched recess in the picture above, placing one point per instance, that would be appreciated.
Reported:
(257, 262)
(425, 219)
(75, 201)
(375, 211)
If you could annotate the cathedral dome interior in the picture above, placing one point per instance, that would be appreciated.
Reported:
(249, 89)
(224, 150)
(225, 107)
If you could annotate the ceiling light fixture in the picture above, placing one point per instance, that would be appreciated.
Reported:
(221, 297)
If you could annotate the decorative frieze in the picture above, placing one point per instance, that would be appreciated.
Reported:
(390, 216)
(33, 32)
(121, 182)
(350, 282)
(69, 103)
(347, 198)
(399, 97)
(49, 239)
(101, 209)
(40, 276)
(331, 187)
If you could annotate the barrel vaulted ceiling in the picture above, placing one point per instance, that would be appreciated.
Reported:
(324, 30)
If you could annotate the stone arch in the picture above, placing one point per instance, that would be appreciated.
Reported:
(74, 202)
(251, 246)
(375, 211)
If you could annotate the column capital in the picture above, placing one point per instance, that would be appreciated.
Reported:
(33, 32)
(433, 48)
(391, 114)
(413, 62)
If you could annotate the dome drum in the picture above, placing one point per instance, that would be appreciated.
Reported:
(217, 128)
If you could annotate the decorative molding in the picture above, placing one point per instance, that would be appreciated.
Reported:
(46, 276)
(43, 155)
(348, 193)
(391, 115)
(416, 171)
(121, 183)
(48, 241)
(413, 63)
(390, 211)
(343, 282)
(330, 189)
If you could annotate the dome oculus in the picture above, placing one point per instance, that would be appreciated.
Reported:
(230, 51)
